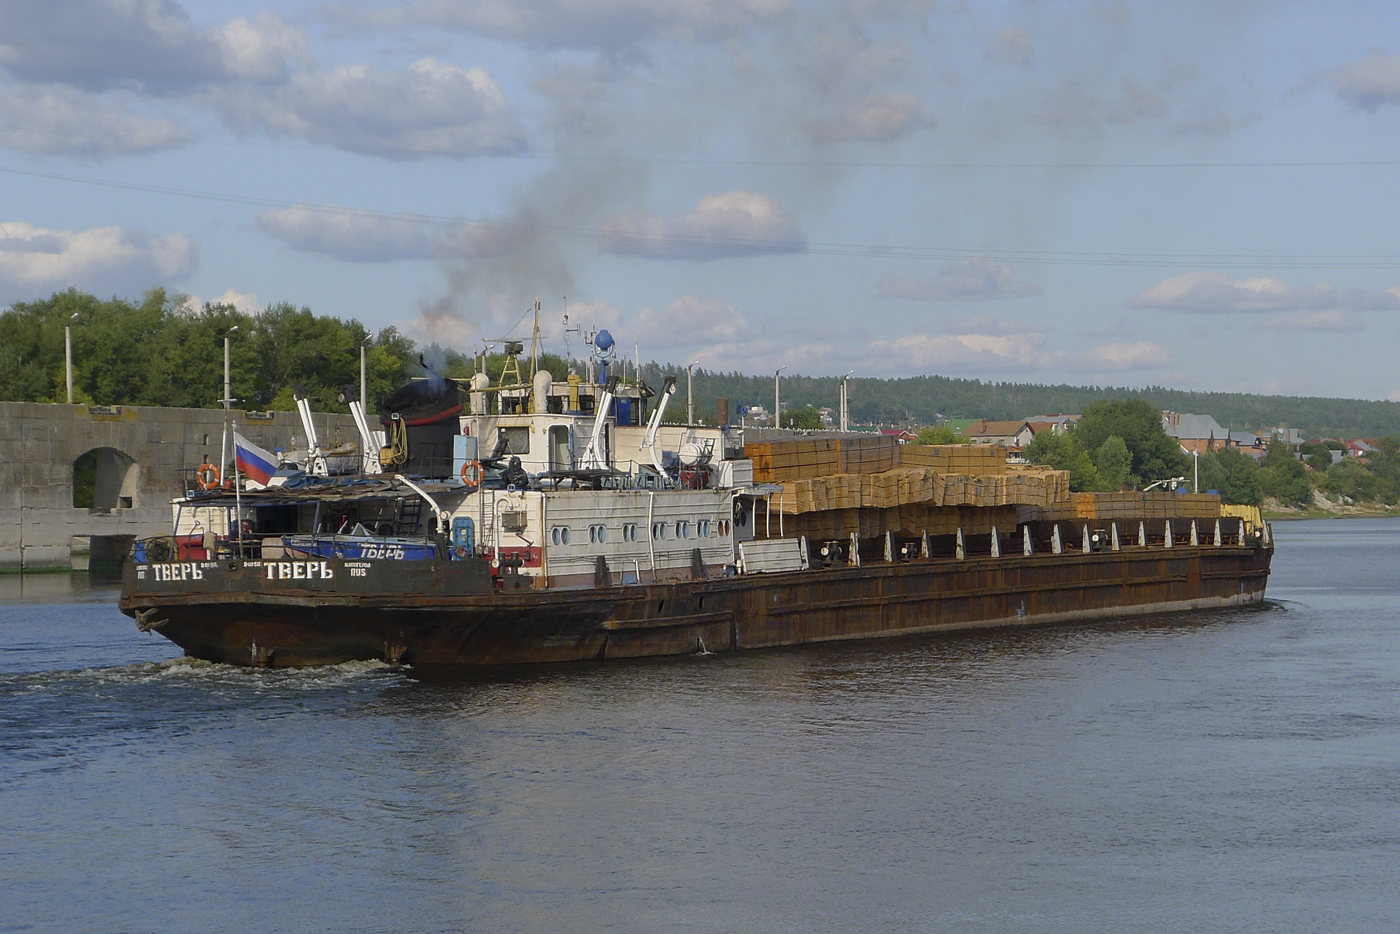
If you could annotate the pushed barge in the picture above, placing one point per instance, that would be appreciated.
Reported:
(555, 523)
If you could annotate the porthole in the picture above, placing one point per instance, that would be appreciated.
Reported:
(597, 534)
(629, 532)
(559, 535)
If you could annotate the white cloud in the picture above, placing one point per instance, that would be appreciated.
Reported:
(1071, 108)
(1023, 351)
(930, 352)
(146, 44)
(1137, 355)
(1332, 320)
(1370, 83)
(246, 302)
(101, 260)
(736, 223)
(880, 118)
(345, 233)
(52, 120)
(365, 236)
(690, 321)
(1012, 46)
(613, 25)
(1215, 292)
(429, 108)
(972, 278)
(259, 49)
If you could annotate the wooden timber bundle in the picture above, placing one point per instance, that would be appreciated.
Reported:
(804, 458)
(909, 521)
(1132, 506)
(981, 459)
(893, 488)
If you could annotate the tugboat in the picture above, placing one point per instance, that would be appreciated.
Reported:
(549, 522)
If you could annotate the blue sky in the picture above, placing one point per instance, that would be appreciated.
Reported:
(1199, 195)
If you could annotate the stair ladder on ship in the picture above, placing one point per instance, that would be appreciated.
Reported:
(486, 528)
(410, 516)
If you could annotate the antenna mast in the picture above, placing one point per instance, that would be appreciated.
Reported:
(535, 342)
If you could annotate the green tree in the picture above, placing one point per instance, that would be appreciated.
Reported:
(1062, 452)
(1155, 455)
(1283, 476)
(805, 419)
(1317, 454)
(1235, 476)
(1114, 463)
(1352, 479)
(940, 434)
(1385, 464)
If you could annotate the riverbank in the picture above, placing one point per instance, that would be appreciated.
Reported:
(1323, 508)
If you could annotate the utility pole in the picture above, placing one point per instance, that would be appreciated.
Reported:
(690, 393)
(362, 374)
(845, 403)
(228, 403)
(68, 353)
(776, 409)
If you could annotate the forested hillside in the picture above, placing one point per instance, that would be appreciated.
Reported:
(919, 400)
(157, 352)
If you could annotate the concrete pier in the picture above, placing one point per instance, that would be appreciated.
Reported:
(141, 458)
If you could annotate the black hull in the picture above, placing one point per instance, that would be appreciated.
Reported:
(443, 625)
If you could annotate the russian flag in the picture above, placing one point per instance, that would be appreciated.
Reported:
(252, 461)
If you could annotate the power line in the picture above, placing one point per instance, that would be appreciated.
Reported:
(147, 139)
(641, 242)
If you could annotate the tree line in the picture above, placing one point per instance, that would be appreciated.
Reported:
(927, 400)
(1121, 444)
(158, 351)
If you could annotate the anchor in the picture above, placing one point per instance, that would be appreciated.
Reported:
(144, 623)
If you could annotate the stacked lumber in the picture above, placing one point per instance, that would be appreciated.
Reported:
(894, 488)
(908, 521)
(1133, 506)
(805, 458)
(955, 458)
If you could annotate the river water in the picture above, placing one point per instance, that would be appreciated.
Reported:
(1227, 771)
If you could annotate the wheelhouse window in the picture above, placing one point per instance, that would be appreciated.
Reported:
(517, 440)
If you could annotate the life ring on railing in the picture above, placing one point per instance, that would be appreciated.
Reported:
(208, 476)
(471, 474)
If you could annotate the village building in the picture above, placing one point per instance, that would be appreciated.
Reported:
(1196, 433)
(1012, 434)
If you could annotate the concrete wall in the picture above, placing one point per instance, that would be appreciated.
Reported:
(146, 456)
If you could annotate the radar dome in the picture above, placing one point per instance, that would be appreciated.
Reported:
(603, 341)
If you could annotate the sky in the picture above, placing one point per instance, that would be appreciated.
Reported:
(1195, 195)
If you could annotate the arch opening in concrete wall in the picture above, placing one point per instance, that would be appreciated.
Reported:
(104, 479)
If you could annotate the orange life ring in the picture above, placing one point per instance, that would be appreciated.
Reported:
(208, 476)
(474, 469)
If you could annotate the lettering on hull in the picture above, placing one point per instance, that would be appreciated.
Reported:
(299, 570)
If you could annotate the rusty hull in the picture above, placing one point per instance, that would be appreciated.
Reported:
(451, 627)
